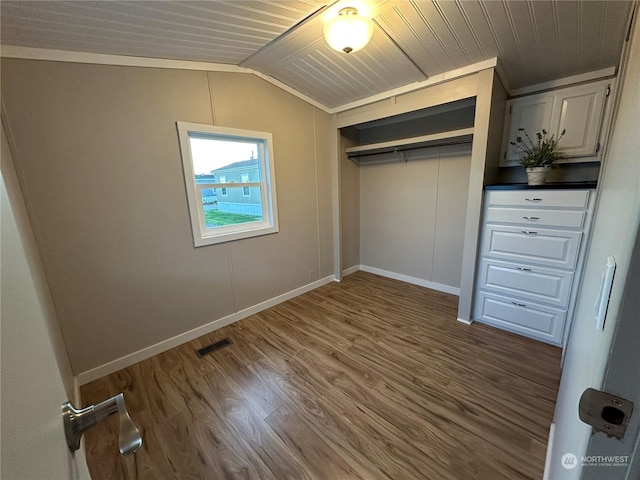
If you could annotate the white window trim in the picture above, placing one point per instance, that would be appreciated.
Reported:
(203, 236)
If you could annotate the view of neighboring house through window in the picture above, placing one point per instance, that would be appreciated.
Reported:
(246, 191)
(229, 182)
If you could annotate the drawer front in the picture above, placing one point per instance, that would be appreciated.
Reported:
(536, 218)
(555, 248)
(540, 198)
(540, 284)
(526, 318)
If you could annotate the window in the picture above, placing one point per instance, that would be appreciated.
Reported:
(239, 165)
(246, 192)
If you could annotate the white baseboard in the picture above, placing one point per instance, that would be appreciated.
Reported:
(350, 270)
(466, 322)
(547, 460)
(409, 279)
(108, 368)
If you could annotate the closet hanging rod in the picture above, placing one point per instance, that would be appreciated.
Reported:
(399, 149)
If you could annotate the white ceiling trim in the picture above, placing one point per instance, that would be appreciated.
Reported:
(563, 82)
(434, 80)
(31, 53)
(291, 90)
(52, 55)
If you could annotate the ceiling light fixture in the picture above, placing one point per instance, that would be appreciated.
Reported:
(348, 32)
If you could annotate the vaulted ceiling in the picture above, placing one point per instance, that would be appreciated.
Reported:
(534, 40)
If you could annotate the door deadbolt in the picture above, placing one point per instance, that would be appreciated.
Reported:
(605, 412)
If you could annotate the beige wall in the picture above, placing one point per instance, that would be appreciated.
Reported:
(412, 214)
(97, 152)
(349, 206)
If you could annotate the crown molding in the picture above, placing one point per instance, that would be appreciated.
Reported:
(51, 55)
(608, 72)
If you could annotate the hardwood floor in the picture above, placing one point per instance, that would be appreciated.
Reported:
(369, 378)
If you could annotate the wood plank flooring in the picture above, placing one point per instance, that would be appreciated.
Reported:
(369, 378)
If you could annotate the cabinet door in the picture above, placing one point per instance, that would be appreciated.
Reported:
(579, 111)
(532, 113)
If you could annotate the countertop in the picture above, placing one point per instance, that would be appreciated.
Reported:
(546, 186)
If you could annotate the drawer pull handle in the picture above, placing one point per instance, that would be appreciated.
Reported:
(533, 219)
(519, 304)
(533, 199)
(522, 269)
(528, 232)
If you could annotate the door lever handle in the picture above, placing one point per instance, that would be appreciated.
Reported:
(77, 421)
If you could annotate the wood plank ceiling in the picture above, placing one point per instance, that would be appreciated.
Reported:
(534, 40)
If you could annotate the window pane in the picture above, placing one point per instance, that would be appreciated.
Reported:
(226, 161)
(234, 207)
(209, 196)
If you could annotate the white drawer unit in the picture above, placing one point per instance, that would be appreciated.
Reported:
(531, 254)
(528, 318)
(540, 284)
(563, 199)
(557, 248)
(540, 218)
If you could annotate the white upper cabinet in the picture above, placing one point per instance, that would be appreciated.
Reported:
(579, 113)
(579, 110)
(530, 113)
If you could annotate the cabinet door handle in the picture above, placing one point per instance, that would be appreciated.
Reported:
(533, 199)
(519, 304)
(522, 269)
(533, 219)
(528, 232)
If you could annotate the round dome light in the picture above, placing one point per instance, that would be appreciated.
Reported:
(348, 32)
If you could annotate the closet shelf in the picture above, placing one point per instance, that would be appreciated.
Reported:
(451, 137)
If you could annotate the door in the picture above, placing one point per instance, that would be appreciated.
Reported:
(621, 457)
(33, 441)
(591, 353)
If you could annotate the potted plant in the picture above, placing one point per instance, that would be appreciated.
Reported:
(540, 156)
